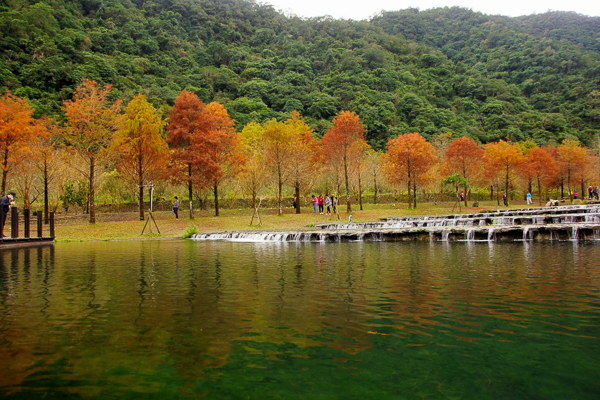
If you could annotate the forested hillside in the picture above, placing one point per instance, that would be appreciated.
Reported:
(437, 71)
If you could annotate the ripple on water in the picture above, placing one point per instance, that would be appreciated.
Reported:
(229, 320)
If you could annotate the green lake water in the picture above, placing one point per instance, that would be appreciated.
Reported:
(225, 320)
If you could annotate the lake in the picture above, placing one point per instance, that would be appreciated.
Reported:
(181, 319)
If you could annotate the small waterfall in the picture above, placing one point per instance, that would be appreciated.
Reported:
(596, 234)
(575, 233)
(470, 235)
(445, 236)
(491, 235)
(553, 235)
(526, 235)
(482, 222)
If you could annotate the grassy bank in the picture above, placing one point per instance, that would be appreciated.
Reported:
(123, 226)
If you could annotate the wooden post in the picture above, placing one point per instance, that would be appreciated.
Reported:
(52, 224)
(14, 222)
(2, 222)
(26, 218)
(39, 225)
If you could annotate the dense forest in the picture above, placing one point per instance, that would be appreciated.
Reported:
(437, 71)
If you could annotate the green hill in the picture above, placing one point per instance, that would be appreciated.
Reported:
(433, 71)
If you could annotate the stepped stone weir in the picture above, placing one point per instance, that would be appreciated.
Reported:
(539, 224)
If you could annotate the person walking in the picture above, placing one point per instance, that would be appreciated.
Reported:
(575, 195)
(315, 202)
(320, 203)
(529, 200)
(176, 207)
(590, 192)
(505, 199)
(596, 193)
(328, 204)
(5, 203)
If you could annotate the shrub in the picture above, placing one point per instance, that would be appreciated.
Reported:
(189, 231)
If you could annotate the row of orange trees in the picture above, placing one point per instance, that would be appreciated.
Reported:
(197, 145)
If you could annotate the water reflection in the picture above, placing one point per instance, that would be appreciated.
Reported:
(217, 319)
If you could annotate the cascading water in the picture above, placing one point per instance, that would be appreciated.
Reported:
(497, 225)
(470, 235)
(575, 233)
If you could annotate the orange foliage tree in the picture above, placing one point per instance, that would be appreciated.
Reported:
(408, 159)
(18, 130)
(254, 175)
(184, 131)
(221, 146)
(140, 148)
(302, 158)
(278, 145)
(463, 156)
(502, 159)
(28, 164)
(538, 165)
(571, 157)
(91, 121)
(342, 144)
(49, 160)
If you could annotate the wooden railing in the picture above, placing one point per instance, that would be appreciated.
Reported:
(15, 228)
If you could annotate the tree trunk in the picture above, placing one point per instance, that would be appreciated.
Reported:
(491, 192)
(190, 191)
(348, 207)
(91, 201)
(408, 186)
(297, 194)
(569, 185)
(279, 188)
(506, 185)
(46, 213)
(539, 190)
(375, 188)
(562, 188)
(498, 195)
(141, 188)
(415, 193)
(360, 193)
(4, 172)
(216, 191)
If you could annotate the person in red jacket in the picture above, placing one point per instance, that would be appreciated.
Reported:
(320, 204)
(315, 203)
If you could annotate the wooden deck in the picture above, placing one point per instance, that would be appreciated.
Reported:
(11, 239)
(9, 243)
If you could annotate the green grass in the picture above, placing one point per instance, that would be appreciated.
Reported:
(127, 226)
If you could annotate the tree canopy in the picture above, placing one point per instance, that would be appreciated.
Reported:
(435, 71)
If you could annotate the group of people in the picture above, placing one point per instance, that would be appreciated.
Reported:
(328, 202)
(593, 193)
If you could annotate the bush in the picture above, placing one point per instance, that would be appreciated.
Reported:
(189, 231)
